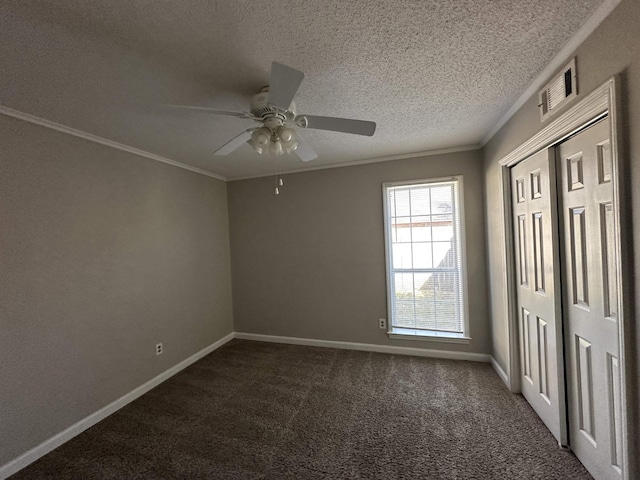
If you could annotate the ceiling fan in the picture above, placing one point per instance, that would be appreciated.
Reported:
(274, 107)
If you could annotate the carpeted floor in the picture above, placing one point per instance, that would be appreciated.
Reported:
(255, 410)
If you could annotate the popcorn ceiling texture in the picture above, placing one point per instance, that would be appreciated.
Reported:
(432, 74)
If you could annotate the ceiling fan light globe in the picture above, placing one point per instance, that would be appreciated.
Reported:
(261, 137)
(291, 147)
(256, 148)
(287, 135)
(288, 138)
(260, 140)
(276, 148)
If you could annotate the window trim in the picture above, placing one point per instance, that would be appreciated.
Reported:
(405, 333)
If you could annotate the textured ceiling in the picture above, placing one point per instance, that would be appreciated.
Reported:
(433, 74)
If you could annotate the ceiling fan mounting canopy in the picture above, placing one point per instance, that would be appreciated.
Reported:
(274, 107)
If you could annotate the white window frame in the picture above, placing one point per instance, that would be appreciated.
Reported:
(427, 335)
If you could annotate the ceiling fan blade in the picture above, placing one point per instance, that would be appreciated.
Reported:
(304, 152)
(234, 143)
(346, 125)
(283, 85)
(209, 111)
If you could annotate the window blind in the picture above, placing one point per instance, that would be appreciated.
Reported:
(425, 258)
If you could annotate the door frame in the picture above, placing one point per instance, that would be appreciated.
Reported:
(602, 102)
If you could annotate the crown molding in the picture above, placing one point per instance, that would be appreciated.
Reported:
(555, 64)
(402, 156)
(592, 107)
(27, 117)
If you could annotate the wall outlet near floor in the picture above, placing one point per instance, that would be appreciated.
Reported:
(158, 349)
(382, 323)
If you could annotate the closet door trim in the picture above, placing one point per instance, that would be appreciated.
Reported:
(602, 102)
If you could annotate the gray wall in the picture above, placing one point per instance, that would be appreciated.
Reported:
(103, 254)
(613, 48)
(310, 262)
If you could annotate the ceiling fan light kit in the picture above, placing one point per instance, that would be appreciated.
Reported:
(276, 141)
(275, 109)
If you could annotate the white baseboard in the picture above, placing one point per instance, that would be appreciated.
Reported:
(48, 445)
(501, 373)
(368, 347)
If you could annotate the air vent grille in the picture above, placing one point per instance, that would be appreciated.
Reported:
(561, 89)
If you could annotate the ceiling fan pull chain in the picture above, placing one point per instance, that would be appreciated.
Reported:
(279, 183)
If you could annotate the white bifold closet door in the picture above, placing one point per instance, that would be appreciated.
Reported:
(590, 300)
(535, 222)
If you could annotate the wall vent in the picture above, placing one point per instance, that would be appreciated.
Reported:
(562, 88)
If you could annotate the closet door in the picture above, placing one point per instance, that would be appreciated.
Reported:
(590, 283)
(535, 223)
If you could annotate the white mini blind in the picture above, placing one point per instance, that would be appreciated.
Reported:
(424, 256)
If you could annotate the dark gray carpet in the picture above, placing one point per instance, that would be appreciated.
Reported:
(255, 410)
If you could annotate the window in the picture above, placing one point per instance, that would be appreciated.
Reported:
(425, 275)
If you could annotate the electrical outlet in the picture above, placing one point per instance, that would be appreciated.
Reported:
(382, 323)
(158, 349)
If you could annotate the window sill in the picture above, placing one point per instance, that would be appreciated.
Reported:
(425, 336)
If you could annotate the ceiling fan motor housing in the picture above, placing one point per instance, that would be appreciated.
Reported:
(271, 116)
